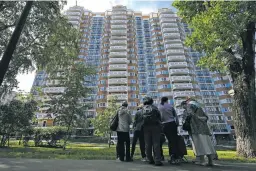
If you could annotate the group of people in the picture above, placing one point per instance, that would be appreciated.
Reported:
(152, 124)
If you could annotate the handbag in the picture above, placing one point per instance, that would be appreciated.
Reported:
(114, 123)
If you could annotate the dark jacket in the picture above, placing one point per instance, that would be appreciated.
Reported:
(138, 120)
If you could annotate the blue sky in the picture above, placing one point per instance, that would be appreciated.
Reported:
(146, 6)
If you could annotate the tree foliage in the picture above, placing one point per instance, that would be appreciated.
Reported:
(102, 120)
(15, 118)
(30, 51)
(225, 32)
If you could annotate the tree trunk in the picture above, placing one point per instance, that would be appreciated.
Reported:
(244, 99)
(109, 140)
(6, 59)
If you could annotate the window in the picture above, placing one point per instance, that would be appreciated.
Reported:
(102, 88)
(232, 127)
(133, 81)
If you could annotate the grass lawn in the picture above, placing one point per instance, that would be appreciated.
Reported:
(83, 151)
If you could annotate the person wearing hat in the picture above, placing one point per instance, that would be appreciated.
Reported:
(138, 133)
(123, 132)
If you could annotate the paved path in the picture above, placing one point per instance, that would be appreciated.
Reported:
(107, 165)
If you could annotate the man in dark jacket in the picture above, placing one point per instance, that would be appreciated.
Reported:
(152, 130)
(138, 133)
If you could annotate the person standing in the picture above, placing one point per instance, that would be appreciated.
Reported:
(200, 132)
(123, 132)
(152, 131)
(170, 127)
(138, 134)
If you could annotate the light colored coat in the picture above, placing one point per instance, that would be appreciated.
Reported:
(124, 119)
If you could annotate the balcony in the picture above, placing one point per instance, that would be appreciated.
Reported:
(168, 15)
(118, 42)
(182, 86)
(119, 17)
(118, 22)
(118, 61)
(117, 74)
(183, 94)
(119, 96)
(171, 35)
(179, 72)
(116, 27)
(118, 81)
(181, 79)
(118, 32)
(169, 25)
(178, 64)
(170, 30)
(172, 41)
(54, 89)
(176, 58)
(117, 89)
(115, 13)
(117, 54)
(117, 48)
(174, 46)
(118, 67)
(168, 20)
(113, 37)
(174, 51)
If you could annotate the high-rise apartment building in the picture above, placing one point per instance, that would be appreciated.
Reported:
(137, 55)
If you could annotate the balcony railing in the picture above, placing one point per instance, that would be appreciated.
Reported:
(174, 46)
(117, 48)
(118, 21)
(117, 54)
(174, 51)
(117, 74)
(181, 79)
(118, 42)
(176, 58)
(169, 25)
(179, 71)
(118, 67)
(54, 89)
(114, 13)
(119, 96)
(178, 64)
(119, 17)
(117, 88)
(168, 20)
(168, 15)
(114, 37)
(183, 94)
(183, 86)
(172, 41)
(118, 27)
(171, 35)
(118, 61)
(118, 81)
(118, 32)
(170, 30)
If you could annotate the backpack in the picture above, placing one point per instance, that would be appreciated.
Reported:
(114, 123)
(149, 115)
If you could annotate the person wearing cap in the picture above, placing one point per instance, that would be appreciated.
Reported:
(123, 132)
(200, 132)
(138, 133)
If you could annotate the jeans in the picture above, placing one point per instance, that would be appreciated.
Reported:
(152, 139)
(123, 137)
(138, 135)
(171, 133)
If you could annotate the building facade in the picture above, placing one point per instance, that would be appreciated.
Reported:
(144, 55)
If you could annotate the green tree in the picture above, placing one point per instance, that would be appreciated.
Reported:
(15, 118)
(225, 32)
(102, 120)
(28, 54)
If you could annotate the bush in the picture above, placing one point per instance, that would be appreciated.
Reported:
(49, 134)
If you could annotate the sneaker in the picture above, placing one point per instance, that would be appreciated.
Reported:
(151, 162)
(144, 159)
